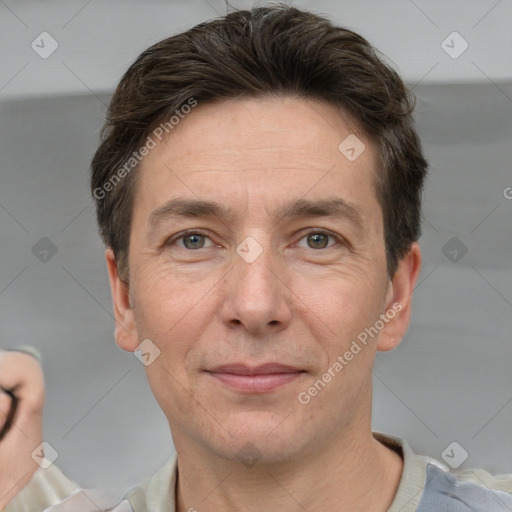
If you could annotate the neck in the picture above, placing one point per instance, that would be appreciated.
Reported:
(356, 473)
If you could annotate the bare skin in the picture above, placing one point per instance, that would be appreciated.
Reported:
(318, 282)
(21, 374)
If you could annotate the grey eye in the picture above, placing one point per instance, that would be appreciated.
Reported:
(193, 241)
(317, 240)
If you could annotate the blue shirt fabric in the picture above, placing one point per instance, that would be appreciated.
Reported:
(444, 493)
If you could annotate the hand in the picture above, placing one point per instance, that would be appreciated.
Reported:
(22, 376)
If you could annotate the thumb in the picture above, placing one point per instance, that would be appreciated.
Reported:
(6, 410)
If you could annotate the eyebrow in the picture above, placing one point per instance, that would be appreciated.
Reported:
(335, 207)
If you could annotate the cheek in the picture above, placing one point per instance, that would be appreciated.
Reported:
(159, 306)
(173, 312)
(337, 310)
(166, 313)
(342, 301)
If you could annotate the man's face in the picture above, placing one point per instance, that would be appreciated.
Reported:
(255, 287)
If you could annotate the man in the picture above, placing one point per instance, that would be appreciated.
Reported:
(258, 188)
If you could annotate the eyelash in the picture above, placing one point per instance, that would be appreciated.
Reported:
(184, 234)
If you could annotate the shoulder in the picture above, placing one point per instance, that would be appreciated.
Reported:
(157, 492)
(471, 491)
(427, 485)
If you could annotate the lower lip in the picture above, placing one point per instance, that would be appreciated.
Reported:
(256, 383)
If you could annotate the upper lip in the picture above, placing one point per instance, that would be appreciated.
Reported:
(263, 369)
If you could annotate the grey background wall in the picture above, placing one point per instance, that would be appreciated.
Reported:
(450, 380)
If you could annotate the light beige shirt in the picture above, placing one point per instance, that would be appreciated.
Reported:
(50, 490)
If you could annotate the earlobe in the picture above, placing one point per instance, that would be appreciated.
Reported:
(126, 332)
(399, 299)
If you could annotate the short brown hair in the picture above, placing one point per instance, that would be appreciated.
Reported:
(276, 50)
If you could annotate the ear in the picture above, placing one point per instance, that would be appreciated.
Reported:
(399, 299)
(126, 331)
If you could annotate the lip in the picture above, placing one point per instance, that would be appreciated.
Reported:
(255, 379)
(262, 369)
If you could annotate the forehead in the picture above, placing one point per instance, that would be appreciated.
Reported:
(260, 149)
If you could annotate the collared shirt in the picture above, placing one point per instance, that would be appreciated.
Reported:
(426, 485)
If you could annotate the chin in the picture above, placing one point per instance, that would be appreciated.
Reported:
(260, 437)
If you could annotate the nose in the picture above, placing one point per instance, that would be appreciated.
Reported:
(257, 295)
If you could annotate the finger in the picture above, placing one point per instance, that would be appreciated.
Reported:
(22, 374)
(5, 410)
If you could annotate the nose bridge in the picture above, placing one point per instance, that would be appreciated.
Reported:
(256, 295)
(253, 264)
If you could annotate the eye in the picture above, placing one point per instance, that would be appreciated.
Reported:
(192, 240)
(318, 240)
